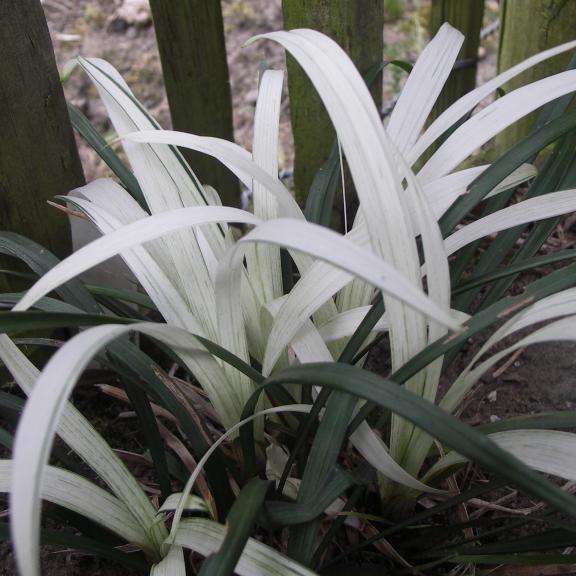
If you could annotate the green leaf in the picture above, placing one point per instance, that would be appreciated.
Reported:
(149, 429)
(542, 420)
(557, 174)
(131, 297)
(41, 260)
(134, 364)
(550, 540)
(103, 149)
(206, 537)
(83, 544)
(239, 524)
(320, 198)
(514, 559)
(6, 439)
(38, 320)
(503, 309)
(421, 517)
(321, 461)
(462, 438)
(510, 161)
(11, 402)
(292, 513)
(515, 268)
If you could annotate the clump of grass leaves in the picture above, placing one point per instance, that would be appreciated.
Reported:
(271, 425)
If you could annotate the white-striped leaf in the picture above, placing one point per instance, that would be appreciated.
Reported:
(173, 564)
(127, 237)
(525, 212)
(491, 120)
(549, 451)
(47, 404)
(263, 262)
(231, 155)
(325, 245)
(423, 87)
(85, 498)
(206, 538)
(443, 192)
(467, 102)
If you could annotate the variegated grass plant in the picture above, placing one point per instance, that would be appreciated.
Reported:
(280, 364)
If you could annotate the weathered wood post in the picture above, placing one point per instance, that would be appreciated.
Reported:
(528, 27)
(38, 155)
(466, 17)
(190, 36)
(358, 28)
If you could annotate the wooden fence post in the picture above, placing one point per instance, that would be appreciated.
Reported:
(528, 27)
(358, 27)
(466, 17)
(38, 154)
(190, 35)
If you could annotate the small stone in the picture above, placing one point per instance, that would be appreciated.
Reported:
(494, 418)
(117, 25)
(135, 12)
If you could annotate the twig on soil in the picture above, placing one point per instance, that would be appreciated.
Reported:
(499, 371)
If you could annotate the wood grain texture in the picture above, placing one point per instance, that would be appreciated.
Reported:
(38, 155)
(190, 35)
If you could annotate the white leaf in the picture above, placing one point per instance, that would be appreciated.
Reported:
(338, 251)
(127, 237)
(79, 434)
(206, 538)
(373, 449)
(343, 325)
(167, 183)
(373, 165)
(263, 262)
(166, 180)
(85, 498)
(193, 503)
(555, 306)
(47, 404)
(549, 451)
(423, 87)
(494, 119)
(173, 564)
(231, 155)
(154, 273)
(443, 192)
(467, 102)
(525, 212)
